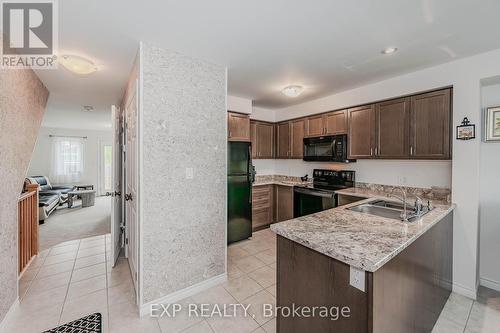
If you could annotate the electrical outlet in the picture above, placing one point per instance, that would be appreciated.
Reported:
(402, 180)
(357, 278)
(189, 173)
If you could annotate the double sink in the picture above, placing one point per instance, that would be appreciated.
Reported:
(391, 210)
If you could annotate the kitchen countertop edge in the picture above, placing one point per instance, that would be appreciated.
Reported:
(285, 229)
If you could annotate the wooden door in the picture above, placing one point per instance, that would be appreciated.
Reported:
(361, 132)
(265, 140)
(392, 129)
(116, 176)
(430, 125)
(315, 125)
(253, 138)
(297, 131)
(238, 127)
(283, 140)
(131, 187)
(336, 122)
(284, 203)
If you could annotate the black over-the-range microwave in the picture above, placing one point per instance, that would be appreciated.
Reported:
(331, 148)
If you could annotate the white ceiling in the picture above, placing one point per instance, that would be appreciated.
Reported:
(327, 46)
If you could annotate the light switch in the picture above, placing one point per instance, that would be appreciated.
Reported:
(357, 278)
(189, 173)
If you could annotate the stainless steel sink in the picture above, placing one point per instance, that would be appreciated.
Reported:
(388, 209)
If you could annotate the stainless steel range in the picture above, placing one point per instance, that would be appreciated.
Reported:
(321, 194)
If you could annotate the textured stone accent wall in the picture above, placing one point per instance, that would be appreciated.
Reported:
(184, 126)
(23, 98)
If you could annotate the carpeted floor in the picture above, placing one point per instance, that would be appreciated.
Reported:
(74, 223)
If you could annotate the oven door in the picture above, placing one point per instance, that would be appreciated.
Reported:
(309, 201)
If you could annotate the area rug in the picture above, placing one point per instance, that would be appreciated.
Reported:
(88, 324)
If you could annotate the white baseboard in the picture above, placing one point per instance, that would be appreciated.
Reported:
(464, 291)
(5, 320)
(183, 293)
(495, 285)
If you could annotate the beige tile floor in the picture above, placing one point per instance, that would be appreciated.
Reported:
(73, 279)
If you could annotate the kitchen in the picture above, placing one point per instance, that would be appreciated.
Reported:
(414, 127)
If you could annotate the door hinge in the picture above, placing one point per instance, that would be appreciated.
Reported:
(126, 241)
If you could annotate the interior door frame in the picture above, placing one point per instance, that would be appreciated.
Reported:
(100, 172)
(116, 146)
(138, 142)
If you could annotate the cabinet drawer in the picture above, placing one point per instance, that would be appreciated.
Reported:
(261, 204)
(261, 217)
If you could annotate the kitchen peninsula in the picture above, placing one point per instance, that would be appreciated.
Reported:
(402, 271)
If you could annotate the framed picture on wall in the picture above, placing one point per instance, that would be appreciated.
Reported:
(466, 131)
(492, 124)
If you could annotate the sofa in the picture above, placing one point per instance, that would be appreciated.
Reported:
(49, 196)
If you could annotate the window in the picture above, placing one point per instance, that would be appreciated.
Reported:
(67, 160)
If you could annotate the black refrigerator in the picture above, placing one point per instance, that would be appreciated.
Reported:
(240, 176)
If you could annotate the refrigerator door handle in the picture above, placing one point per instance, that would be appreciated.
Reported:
(250, 173)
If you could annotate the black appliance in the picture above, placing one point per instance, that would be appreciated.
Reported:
(331, 148)
(319, 196)
(240, 176)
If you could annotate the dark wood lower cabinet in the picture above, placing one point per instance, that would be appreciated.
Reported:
(284, 203)
(262, 206)
(406, 295)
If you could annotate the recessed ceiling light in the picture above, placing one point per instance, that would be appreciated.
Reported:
(389, 50)
(78, 65)
(88, 108)
(292, 91)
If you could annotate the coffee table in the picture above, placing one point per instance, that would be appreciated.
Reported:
(88, 197)
(84, 187)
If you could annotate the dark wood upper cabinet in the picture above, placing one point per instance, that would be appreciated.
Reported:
(335, 122)
(392, 129)
(297, 131)
(315, 125)
(253, 138)
(430, 125)
(238, 126)
(283, 140)
(264, 133)
(362, 132)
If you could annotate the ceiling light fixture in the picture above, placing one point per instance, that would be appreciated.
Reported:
(389, 50)
(77, 64)
(292, 91)
(88, 108)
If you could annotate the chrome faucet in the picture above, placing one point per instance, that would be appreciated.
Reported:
(418, 205)
(404, 214)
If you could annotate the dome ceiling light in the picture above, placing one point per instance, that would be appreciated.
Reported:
(78, 65)
(292, 91)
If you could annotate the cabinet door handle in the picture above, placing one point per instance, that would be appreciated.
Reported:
(411, 150)
(371, 151)
(376, 151)
(229, 134)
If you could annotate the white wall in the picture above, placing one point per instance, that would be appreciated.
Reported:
(41, 159)
(263, 114)
(489, 203)
(411, 173)
(182, 248)
(465, 76)
(239, 104)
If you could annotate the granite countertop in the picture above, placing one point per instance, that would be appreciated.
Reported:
(280, 180)
(361, 240)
